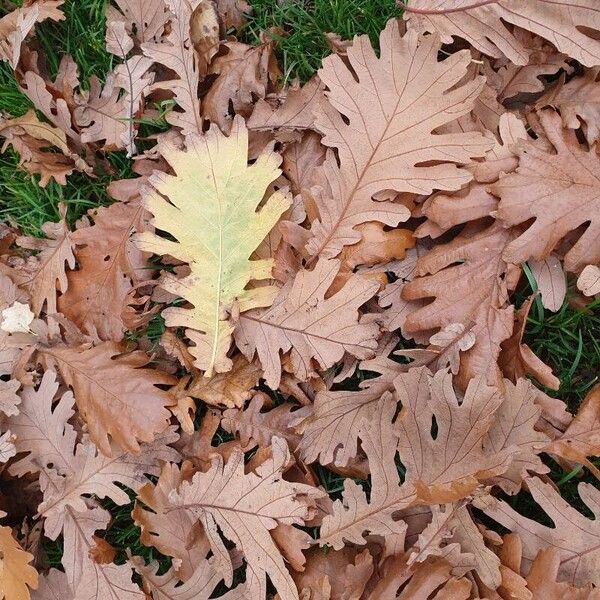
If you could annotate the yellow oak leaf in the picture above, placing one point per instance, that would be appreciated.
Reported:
(212, 214)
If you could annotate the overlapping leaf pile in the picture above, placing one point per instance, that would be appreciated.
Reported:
(375, 220)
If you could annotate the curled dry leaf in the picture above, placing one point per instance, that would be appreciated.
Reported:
(589, 280)
(569, 24)
(216, 228)
(16, 25)
(518, 360)
(578, 102)
(582, 437)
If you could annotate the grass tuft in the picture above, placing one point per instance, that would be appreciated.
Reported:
(299, 28)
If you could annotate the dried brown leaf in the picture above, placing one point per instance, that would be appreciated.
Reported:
(109, 266)
(245, 507)
(115, 395)
(562, 190)
(383, 132)
(569, 24)
(301, 321)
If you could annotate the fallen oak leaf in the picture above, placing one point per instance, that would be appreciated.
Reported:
(16, 25)
(177, 53)
(245, 507)
(165, 528)
(582, 437)
(115, 394)
(216, 232)
(45, 274)
(17, 576)
(588, 281)
(575, 537)
(569, 24)
(383, 132)
(300, 322)
(551, 281)
(91, 472)
(110, 264)
(562, 190)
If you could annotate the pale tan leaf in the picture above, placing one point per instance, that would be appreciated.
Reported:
(387, 141)
(53, 586)
(582, 438)
(45, 274)
(346, 572)
(448, 467)
(90, 472)
(17, 576)
(311, 327)
(518, 360)
(167, 528)
(258, 427)
(569, 24)
(575, 537)
(245, 507)
(200, 586)
(354, 516)
(562, 190)
(513, 430)
(9, 399)
(542, 580)
(16, 25)
(17, 318)
(147, 18)
(88, 579)
(230, 389)
(578, 102)
(589, 280)
(116, 396)
(295, 112)
(331, 434)
(551, 281)
(43, 432)
(176, 52)
(243, 75)
(7, 446)
(467, 279)
(212, 215)
(233, 12)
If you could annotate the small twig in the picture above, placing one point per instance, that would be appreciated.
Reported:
(446, 11)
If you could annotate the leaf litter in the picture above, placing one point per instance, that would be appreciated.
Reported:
(334, 271)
